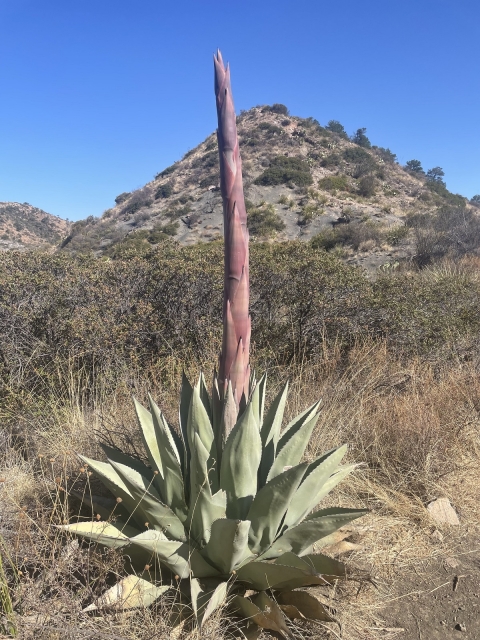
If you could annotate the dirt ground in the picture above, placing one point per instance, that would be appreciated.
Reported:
(439, 599)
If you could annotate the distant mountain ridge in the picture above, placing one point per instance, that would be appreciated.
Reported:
(23, 226)
(301, 181)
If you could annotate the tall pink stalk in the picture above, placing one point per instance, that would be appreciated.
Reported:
(234, 358)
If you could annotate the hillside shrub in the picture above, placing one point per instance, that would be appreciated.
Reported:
(270, 128)
(332, 160)
(206, 161)
(334, 183)
(475, 200)
(414, 166)
(138, 199)
(396, 234)
(166, 172)
(360, 138)
(361, 160)
(336, 127)
(279, 108)
(450, 231)
(386, 155)
(164, 191)
(263, 220)
(366, 186)
(285, 169)
(122, 197)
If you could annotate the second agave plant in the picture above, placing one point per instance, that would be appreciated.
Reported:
(220, 522)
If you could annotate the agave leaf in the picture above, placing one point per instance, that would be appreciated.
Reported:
(290, 451)
(268, 618)
(216, 600)
(269, 507)
(105, 507)
(318, 565)
(229, 418)
(180, 557)
(217, 409)
(171, 484)
(148, 506)
(240, 461)
(330, 484)
(300, 538)
(257, 398)
(228, 544)
(311, 490)
(199, 423)
(206, 598)
(252, 382)
(185, 401)
(100, 532)
(272, 615)
(137, 465)
(200, 567)
(204, 396)
(130, 593)
(328, 567)
(173, 553)
(149, 438)
(117, 486)
(297, 422)
(260, 575)
(305, 604)
(195, 591)
(204, 507)
(245, 607)
(270, 432)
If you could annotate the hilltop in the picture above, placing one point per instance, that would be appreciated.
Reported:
(302, 181)
(23, 226)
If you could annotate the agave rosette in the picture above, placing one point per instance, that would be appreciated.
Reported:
(222, 520)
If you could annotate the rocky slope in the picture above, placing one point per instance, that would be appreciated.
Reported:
(302, 181)
(23, 226)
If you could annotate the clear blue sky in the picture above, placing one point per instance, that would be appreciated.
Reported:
(98, 96)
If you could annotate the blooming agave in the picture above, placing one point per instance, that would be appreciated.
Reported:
(224, 504)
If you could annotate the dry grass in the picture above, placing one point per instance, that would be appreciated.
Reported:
(414, 426)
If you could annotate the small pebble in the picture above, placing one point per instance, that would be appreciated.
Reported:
(460, 627)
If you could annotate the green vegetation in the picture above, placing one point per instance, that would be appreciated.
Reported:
(263, 220)
(270, 128)
(436, 175)
(164, 191)
(360, 138)
(217, 512)
(366, 186)
(284, 170)
(415, 166)
(386, 155)
(122, 197)
(336, 127)
(332, 160)
(166, 172)
(310, 212)
(449, 231)
(278, 108)
(334, 183)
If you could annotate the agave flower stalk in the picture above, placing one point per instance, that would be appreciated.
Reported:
(234, 359)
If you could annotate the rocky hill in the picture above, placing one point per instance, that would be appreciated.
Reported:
(302, 181)
(23, 226)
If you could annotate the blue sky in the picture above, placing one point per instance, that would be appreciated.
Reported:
(98, 96)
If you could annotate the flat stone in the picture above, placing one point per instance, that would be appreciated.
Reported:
(442, 512)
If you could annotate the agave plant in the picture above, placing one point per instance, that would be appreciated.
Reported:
(222, 521)
(224, 503)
